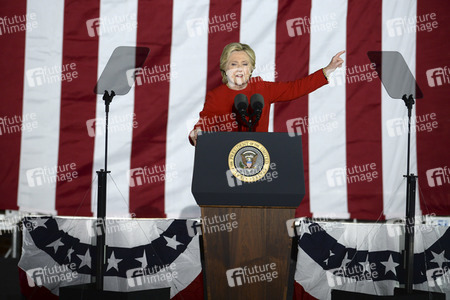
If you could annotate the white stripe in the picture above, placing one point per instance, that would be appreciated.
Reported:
(39, 147)
(327, 149)
(117, 29)
(187, 95)
(258, 29)
(395, 142)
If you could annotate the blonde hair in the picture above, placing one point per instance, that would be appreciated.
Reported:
(230, 48)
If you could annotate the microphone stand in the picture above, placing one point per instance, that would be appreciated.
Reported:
(250, 122)
(243, 114)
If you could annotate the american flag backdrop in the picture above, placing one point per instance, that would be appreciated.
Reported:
(354, 134)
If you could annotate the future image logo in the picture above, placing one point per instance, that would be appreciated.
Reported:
(153, 74)
(438, 76)
(194, 227)
(303, 125)
(148, 175)
(223, 23)
(50, 75)
(411, 24)
(396, 127)
(135, 75)
(235, 277)
(420, 123)
(251, 274)
(306, 25)
(344, 275)
(336, 177)
(35, 77)
(111, 24)
(151, 275)
(45, 175)
(18, 23)
(395, 27)
(54, 275)
(197, 26)
(438, 277)
(93, 27)
(438, 176)
(357, 173)
(116, 123)
(297, 26)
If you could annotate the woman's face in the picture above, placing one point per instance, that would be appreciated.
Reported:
(238, 70)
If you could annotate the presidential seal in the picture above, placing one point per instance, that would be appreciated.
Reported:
(249, 161)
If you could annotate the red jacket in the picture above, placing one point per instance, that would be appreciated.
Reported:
(218, 112)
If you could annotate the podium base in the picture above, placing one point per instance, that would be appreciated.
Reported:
(89, 291)
(259, 244)
(399, 294)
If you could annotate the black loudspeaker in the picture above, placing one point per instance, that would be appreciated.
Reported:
(89, 292)
(399, 294)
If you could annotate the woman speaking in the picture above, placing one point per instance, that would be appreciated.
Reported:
(237, 63)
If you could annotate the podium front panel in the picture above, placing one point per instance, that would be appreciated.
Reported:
(215, 183)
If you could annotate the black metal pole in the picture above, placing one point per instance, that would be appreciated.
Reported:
(410, 207)
(100, 229)
(101, 204)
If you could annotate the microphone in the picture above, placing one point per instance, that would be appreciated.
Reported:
(241, 103)
(257, 103)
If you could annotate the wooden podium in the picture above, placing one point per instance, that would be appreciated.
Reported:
(247, 248)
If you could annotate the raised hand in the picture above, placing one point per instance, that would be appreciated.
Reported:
(336, 62)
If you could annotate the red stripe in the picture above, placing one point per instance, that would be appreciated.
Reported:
(363, 111)
(300, 293)
(288, 50)
(12, 76)
(193, 291)
(433, 144)
(221, 13)
(151, 107)
(78, 105)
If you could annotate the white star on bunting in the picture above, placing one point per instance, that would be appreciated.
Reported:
(39, 223)
(390, 265)
(85, 259)
(143, 260)
(113, 262)
(345, 261)
(366, 264)
(439, 258)
(56, 244)
(172, 242)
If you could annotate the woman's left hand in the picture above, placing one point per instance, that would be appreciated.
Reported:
(336, 62)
